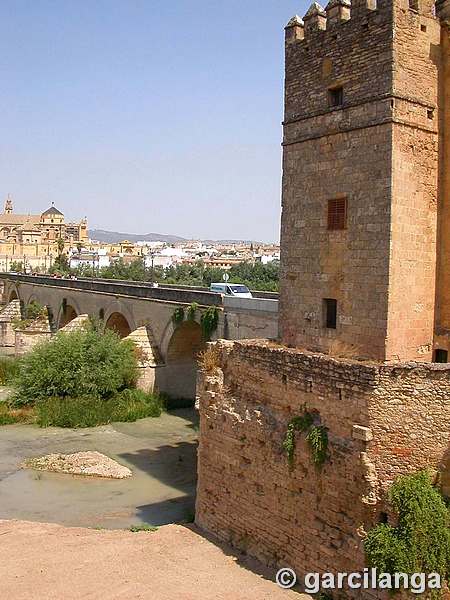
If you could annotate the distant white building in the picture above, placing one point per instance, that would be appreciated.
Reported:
(165, 257)
(97, 259)
(268, 258)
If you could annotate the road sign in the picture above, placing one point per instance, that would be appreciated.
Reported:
(225, 277)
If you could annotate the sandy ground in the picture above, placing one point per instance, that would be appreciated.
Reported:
(51, 562)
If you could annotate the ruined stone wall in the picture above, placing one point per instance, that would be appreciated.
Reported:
(9, 314)
(382, 421)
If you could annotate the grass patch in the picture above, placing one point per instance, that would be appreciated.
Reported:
(9, 369)
(128, 405)
(143, 527)
(9, 416)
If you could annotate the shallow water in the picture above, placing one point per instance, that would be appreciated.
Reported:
(160, 452)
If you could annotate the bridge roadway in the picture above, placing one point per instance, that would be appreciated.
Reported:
(127, 306)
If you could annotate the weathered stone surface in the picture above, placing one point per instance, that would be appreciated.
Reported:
(379, 150)
(312, 519)
(90, 463)
(76, 324)
(362, 433)
(10, 313)
(32, 334)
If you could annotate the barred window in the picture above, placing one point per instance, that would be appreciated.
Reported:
(337, 213)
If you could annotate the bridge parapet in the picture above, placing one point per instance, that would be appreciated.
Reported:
(117, 287)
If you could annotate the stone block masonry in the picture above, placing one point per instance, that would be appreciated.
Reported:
(382, 421)
(364, 126)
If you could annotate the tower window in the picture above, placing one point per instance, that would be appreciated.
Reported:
(330, 309)
(440, 356)
(430, 113)
(414, 5)
(337, 213)
(336, 96)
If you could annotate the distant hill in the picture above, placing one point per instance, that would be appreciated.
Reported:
(112, 237)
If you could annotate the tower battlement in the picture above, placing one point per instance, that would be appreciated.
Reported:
(362, 177)
(321, 22)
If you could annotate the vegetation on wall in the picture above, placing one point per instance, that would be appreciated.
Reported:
(191, 311)
(209, 321)
(34, 310)
(178, 315)
(420, 542)
(317, 438)
(209, 359)
(209, 318)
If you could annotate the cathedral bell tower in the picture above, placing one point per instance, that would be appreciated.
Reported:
(8, 206)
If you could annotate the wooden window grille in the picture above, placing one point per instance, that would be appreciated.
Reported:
(337, 213)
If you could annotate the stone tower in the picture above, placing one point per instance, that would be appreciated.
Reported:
(8, 209)
(442, 337)
(365, 260)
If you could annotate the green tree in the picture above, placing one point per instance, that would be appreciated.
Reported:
(16, 265)
(86, 363)
(60, 245)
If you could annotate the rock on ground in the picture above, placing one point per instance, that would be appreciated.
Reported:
(80, 463)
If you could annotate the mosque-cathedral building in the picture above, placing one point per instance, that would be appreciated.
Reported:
(33, 238)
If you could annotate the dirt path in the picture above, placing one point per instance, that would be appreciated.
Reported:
(51, 562)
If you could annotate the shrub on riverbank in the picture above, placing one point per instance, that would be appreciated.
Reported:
(9, 368)
(83, 364)
(9, 415)
(128, 405)
(78, 379)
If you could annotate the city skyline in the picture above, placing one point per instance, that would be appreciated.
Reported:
(147, 118)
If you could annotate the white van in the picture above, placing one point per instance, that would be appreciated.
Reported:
(231, 289)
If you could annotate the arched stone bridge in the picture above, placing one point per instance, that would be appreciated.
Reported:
(145, 314)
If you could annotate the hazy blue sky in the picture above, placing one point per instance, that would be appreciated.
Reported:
(145, 115)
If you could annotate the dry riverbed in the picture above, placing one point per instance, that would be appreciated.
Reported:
(161, 454)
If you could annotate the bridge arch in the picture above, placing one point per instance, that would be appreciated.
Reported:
(181, 355)
(118, 323)
(13, 295)
(119, 318)
(67, 313)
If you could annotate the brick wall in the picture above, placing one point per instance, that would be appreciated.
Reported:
(382, 421)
